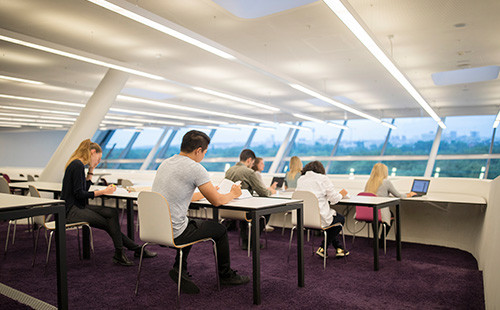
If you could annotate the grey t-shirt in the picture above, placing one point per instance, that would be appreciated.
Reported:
(176, 179)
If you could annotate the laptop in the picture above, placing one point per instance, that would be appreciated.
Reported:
(420, 187)
(278, 180)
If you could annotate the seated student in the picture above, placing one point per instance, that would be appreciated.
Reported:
(294, 173)
(176, 179)
(314, 179)
(75, 192)
(258, 167)
(380, 185)
(249, 180)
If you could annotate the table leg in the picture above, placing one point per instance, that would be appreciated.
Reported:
(398, 233)
(130, 219)
(256, 258)
(375, 238)
(300, 246)
(62, 280)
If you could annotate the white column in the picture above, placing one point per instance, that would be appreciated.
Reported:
(86, 124)
(433, 153)
(154, 150)
(281, 152)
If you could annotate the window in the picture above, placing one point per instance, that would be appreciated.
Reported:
(467, 135)
(351, 167)
(464, 168)
(406, 167)
(228, 142)
(266, 143)
(319, 141)
(414, 136)
(364, 137)
(117, 143)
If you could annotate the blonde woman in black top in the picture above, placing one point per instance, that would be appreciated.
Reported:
(75, 192)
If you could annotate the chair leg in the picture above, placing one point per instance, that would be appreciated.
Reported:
(36, 246)
(7, 239)
(385, 238)
(79, 246)
(324, 250)
(249, 235)
(48, 248)
(265, 231)
(180, 276)
(354, 234)
(290, 243)
(216, 265)
(14, 232)
(343, 240)
(284, 222)
(139, 270)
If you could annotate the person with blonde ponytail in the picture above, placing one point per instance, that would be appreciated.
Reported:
(75, 192)
(294, 173)
(380, 185)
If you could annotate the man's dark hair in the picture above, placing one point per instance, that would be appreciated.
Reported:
(194, 139)
(314, 166)
(246, 154)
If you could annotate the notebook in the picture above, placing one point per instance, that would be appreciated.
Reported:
(278, 180)
(420, 187)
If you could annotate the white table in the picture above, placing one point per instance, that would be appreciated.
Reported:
(449, 198)
(257, 207)
(53, 187)
(17, 206)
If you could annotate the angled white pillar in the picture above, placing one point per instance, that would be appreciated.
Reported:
(433, 153)
(86, 124)
(281, 151)
(154, 150)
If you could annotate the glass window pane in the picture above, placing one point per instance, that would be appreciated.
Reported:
(414, 136)
(354, 167)
(467, 135)
(496, 142)
(319, 141)
(463, 168)
(406, 167)
(364, 137)
(266, 143)
(144, 143)
(494, 170)
(228, 142)
(117, 143)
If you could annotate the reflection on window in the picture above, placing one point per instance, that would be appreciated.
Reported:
(318, 141)
(266, 143)
(413, 136)
(228, 142)
(406, 167)
(144, 143)
(496, 143)
(494, 170)
(364, 137)
(351, 167)
(464, 168)
(117, 143)
(467, 135)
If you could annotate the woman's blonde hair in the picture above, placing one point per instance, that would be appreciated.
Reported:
(83, 151)
(295, 166)
(379, 173)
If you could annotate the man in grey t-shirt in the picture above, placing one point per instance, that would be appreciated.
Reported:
(176, 179)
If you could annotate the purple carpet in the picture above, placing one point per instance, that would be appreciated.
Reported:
(428, 277)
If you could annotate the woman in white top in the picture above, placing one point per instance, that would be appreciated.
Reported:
(379, 184)
(314, 179)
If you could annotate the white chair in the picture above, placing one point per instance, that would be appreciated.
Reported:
(51, 226)
(312, 219)
(5, 189)
(156, 227)
(242, 216)
(30, 178)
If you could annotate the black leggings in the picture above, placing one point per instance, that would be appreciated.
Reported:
(103, 218)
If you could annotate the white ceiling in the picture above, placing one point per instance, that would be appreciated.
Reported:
(306, 44)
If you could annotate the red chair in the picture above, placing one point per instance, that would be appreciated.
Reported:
(365, 214)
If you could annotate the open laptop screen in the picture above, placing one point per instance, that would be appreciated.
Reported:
(278, 180)
(420, 186)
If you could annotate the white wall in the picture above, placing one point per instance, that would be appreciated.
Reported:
(30, 148)
(489, 248)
